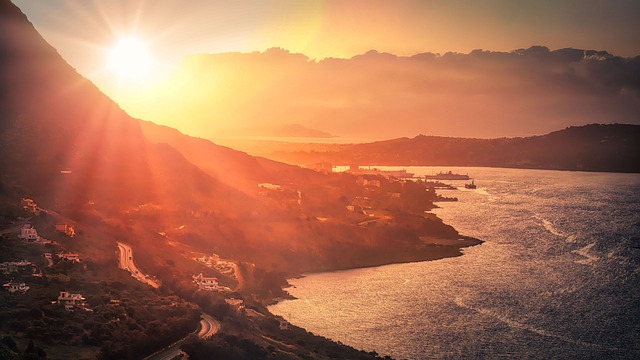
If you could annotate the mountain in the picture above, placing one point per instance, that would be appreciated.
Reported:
(232, 167)
(279, 131)
(595, 147)
(67, 144)
(73, 150)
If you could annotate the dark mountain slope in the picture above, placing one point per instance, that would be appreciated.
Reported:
(232, 167)
(68, 144)
(612, 147)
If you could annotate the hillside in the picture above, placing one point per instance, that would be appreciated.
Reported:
(174, 199)
(611, 148)
(232, 167)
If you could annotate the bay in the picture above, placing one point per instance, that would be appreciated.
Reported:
(557, 276)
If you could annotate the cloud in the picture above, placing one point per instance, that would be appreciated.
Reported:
(381, 95)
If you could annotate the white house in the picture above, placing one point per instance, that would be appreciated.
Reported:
(71, 301)
(237, 304)
(16, 286)
(73, 257)
(67, 229)
(29, 205)
(206, 283)
(270, 186)
(28, 233)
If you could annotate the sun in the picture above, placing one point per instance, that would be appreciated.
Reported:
(130, 59)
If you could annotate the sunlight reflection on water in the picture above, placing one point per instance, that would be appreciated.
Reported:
(556, 277)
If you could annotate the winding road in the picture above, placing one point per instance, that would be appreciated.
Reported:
(126, 262)
(208, 327)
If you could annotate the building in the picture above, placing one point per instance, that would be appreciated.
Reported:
(71, 301)
(73, 257)
(206, 283)
(324, 167)
(29, 205)
(237, 304)
(67, 229)
(28, 233)
(12, 287)
(22, 267)
(360, 180)
(270, 186)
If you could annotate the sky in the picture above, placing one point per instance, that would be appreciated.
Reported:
(85, 32)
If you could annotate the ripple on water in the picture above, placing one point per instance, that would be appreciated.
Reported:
(556, 277)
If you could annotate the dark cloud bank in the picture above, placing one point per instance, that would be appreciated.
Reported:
(381, 95)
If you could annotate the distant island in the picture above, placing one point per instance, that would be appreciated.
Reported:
(280, 131)
(595, 147)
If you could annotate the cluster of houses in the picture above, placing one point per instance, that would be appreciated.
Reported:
(223, 266)
(30, 234)
(69, 300)
(23, 267)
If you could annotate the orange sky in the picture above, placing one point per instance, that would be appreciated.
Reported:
(84, 31)
(318, 29)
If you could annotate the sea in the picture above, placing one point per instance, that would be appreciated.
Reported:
(557, 277)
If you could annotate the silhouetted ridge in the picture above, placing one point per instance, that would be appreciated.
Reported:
(596, 147)
(68, 144)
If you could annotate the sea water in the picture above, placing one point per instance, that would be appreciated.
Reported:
(557, 277)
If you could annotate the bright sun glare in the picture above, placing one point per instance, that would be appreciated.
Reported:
(130, 59)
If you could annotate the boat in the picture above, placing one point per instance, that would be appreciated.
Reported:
(447, 176)
(471, 185)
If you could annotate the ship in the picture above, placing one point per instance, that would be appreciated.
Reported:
(400, 174)
(447, 176)
(471, 185)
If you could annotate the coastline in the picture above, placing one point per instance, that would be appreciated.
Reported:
(454, 245)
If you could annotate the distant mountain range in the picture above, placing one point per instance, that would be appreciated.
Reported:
(280, 131)
(595, 147)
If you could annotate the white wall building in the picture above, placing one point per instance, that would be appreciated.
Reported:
(206, 283)
(71, 301)
(28, 233)
(12, 286)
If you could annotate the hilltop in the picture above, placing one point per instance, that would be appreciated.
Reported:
(595, 147)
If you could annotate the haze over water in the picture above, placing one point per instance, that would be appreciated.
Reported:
(557, 276)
